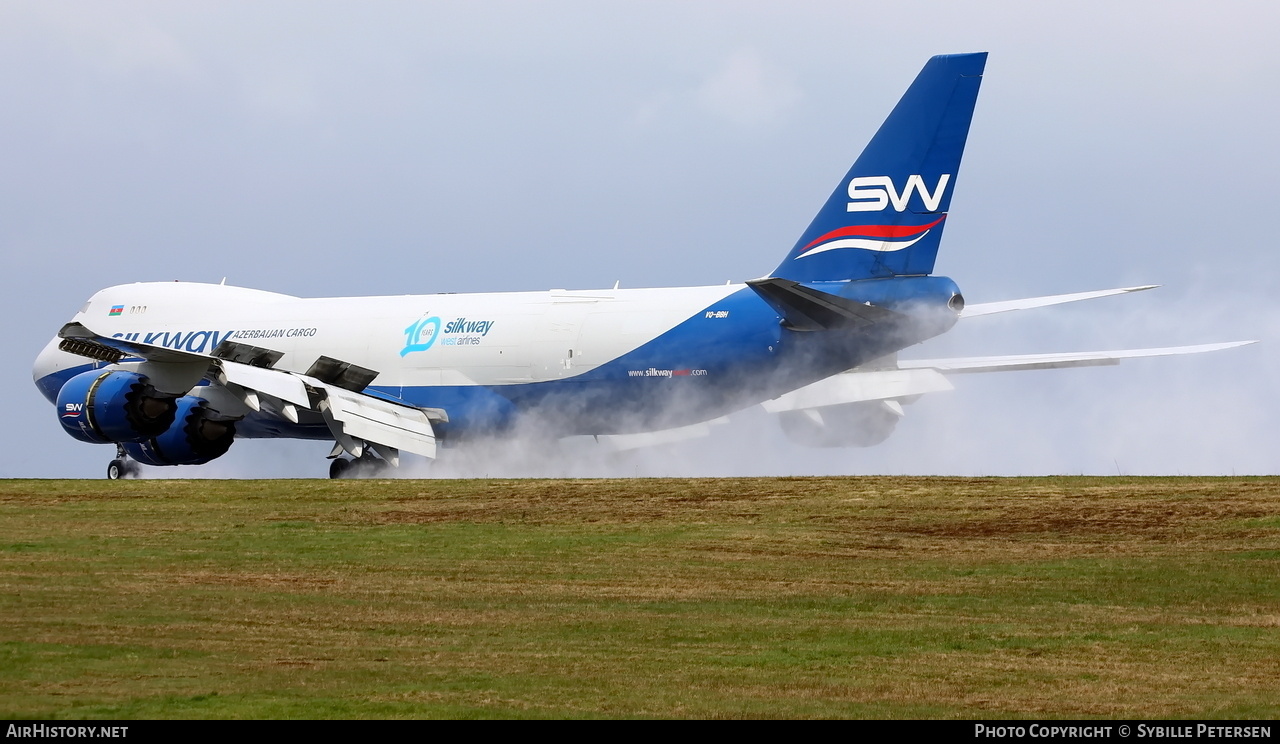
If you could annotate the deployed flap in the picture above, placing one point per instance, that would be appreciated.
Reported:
(276, 383)
(806, 309)
(856, 387)
(990, 308)
(365, 418)
(1056, 361)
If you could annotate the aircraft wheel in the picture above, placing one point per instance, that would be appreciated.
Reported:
(339, 467)
(120, 469)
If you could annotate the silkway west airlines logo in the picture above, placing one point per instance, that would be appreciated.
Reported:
(424, 333)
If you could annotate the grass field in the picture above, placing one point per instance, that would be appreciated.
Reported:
(830, 597)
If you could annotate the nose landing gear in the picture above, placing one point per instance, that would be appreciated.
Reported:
(122, 467)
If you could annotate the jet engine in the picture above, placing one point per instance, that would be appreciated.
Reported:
(198, 434)
(861, 424)
(114, 406)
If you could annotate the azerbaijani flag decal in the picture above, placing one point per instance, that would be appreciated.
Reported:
(880, 238)
(116, 310)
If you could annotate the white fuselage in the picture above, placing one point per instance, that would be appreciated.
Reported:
(479, 339)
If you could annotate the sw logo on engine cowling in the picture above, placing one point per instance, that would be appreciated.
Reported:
(875, 193)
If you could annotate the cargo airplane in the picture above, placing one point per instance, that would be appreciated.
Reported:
(171, 373)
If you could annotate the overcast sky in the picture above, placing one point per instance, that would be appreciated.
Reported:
(320, 148)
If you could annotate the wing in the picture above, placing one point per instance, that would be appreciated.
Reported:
(332, 389)
(902, 381)
(1056, 361)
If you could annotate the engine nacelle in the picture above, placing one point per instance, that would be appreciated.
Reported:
(198, 435)
(847, 425)
(114, 406)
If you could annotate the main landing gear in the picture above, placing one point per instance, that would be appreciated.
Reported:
(122, 467)
(365, 466)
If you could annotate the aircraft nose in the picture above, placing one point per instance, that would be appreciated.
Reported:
(53, 367)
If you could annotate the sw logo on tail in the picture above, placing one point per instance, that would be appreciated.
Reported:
(875, 193)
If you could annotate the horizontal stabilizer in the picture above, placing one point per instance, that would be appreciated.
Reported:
(1056, 361)
(991, 308)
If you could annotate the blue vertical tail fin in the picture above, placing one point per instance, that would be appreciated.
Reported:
(886, 217)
